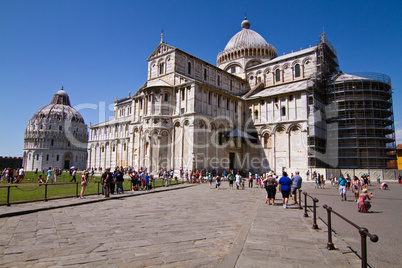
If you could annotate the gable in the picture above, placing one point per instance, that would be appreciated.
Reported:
(162, 49)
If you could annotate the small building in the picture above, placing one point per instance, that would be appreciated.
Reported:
(398, 153)
(56, 137)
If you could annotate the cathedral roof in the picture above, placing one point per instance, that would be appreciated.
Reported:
(59, 109)
(283, 88)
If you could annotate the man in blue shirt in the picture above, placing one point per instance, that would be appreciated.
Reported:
(342, 187)
(284, 186)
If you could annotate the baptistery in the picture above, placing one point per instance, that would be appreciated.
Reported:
(56, 136)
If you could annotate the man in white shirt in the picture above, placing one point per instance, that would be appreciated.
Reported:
(238, 180)
(21, 175)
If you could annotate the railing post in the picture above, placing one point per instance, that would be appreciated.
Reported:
(363, 238)
(46, 192)
(76, 189)
(315, 226)
(8, 195)
(98, 186)
(330, 245)
(300, 192)
(305, 204)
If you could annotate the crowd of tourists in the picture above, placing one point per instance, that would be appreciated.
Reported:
(11, 175)
(112, 182)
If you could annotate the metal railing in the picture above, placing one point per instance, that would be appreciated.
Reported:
(155, 183)
(362, 231)
(315, 201)
(8, 193)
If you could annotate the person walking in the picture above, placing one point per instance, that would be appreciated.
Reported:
(74, 174)
(21, 175)
(250, 180)
(84, 182)
(10, 175)
(118, 180)
(285, 184)
(210, 179)
(270, 184)
(49, 175)
(238, 180)
(342, 187)
(356, 187)
(230, 179)
(296, 185)
(166, 178)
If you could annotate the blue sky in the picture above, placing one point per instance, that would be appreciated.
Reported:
(97, 50)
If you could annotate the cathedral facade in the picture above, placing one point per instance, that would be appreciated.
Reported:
(254, 110)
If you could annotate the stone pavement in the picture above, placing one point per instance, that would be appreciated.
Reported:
(178, 226)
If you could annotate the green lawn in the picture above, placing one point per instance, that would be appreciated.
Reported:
(30, 190)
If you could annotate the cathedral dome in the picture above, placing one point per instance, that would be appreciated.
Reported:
(246, 38)
(246, 43)
(59, 109)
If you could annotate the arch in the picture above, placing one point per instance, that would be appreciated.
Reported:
(295, 62)
(253, 62)
(235, 64)
(305, 60)
(279, 129)
(295, 127)
(202, 124)
(265, 130)
(176, 123)
(213, 126)
(161, 60)
(164, 132)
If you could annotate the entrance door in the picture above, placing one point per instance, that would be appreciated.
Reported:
(66, 164)
(232, 160)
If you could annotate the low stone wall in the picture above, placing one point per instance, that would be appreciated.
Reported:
(382, 174)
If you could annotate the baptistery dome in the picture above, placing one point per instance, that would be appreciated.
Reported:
(246, 44)
(56, 136)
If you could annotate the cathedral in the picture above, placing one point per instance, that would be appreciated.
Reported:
(255, 110)
(56, 137)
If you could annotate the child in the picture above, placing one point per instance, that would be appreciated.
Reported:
(218, 181)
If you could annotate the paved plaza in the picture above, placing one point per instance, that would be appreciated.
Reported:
(178, 226)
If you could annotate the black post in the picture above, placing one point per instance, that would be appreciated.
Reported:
(46, 192)
(300, 192)
(305, 204)
(363, 235)
(315, 226)
(76, 190)
(98, 187)
(330, 245)
(8, 195)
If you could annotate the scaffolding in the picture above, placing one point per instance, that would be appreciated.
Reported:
(327, 65)
(361, 113)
